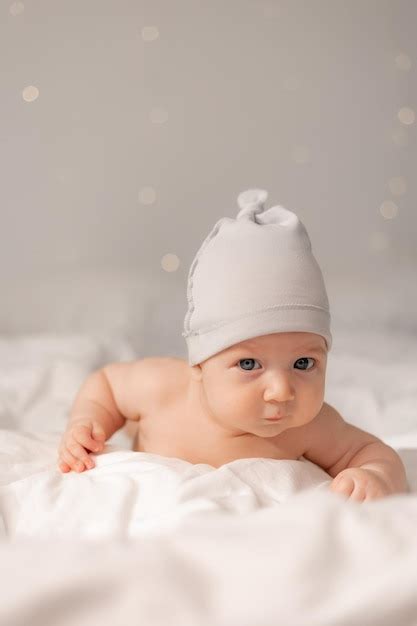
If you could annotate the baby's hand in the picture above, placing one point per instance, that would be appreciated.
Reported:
(79, 437)
(360, 484)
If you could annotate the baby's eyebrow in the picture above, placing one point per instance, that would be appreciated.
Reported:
(313, 349)
(312, 346)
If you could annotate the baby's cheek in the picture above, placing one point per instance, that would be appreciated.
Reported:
(303, 417)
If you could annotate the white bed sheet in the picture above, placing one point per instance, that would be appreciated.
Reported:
(130, 493)
(161, 541)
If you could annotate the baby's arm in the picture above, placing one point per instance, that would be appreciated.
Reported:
(362, 466)
(107, 398)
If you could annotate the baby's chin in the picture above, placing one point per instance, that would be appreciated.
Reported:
(271, 431)
(266, 430)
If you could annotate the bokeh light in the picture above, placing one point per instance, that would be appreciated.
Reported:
(398, 185)
(388, 209)
(403, 62)
(147, 195)
(150, 33)
(170, 262)
(30, 93)
(16, 8)
(406, 115)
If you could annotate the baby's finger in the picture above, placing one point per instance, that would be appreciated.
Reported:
(359, 492)
(85, 439)
(79, 452)
(64, 467)
(343, 485)
(72, 461)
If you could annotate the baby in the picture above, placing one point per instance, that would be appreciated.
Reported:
(258, 333)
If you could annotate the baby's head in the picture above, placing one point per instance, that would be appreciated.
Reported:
(257, 307)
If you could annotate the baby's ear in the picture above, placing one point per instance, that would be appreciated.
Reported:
(196, 372)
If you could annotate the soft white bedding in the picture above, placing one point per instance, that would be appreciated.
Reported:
(129, 493)
(161, 541)
(256, 541)
(252, 542)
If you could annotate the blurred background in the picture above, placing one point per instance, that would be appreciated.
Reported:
(128, 128)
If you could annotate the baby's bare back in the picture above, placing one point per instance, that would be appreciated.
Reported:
(172, 424)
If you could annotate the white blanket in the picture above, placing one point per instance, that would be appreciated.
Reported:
(255, 541)
(129, 493)
(161, 542)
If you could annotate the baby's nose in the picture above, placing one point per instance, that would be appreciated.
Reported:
(279, 388)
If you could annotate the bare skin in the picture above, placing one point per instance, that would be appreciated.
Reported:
(218, 411)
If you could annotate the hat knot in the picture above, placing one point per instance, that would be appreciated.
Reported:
(251, 202)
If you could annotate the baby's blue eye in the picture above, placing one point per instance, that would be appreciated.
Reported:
(247, 362)
(304, 359)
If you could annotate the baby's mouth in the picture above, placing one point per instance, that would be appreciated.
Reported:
(276, 417)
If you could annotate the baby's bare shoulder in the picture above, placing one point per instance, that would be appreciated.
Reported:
(139, 385)
(175, 373)
(152, 365)
(168, 370)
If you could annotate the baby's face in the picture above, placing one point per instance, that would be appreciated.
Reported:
(245, 384)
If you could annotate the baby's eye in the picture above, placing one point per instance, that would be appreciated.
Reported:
(303, 361)
(247, 362)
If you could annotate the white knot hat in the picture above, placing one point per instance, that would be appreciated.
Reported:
(252, 276)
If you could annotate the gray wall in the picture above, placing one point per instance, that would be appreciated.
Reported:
(303, 98)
